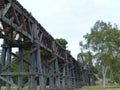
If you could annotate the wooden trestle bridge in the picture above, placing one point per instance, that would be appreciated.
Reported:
(48, 65)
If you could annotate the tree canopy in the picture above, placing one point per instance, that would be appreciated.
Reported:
(104, 42)
(62, 42)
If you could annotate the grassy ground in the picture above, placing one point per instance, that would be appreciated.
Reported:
(25, 88)
(83, 88)
(14, 88)
(99, 88)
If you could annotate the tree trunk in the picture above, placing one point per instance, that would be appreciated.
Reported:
(104, 70)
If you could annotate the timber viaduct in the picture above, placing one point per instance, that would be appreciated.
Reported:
(48, 64)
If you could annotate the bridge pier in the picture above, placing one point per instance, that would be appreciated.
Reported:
(32, 80)
(45, 71)
(20, 69)
(51, 77)
(8, 86)
(57, 78)
(42, 83)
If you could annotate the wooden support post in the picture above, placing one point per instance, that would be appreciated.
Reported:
(32, 71)
(51, 77)
(3, 55)
(20, 64)
(78, 78)
(40, 70)
(68, 76)
(63, 78)
(45, 71)
(2, 60)
(71, 77)
(83, 76)
(74, 82)
(44, 77)
(0, 74)
(57, 82)
(8, 86)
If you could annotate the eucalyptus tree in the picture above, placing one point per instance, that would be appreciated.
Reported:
(104, 42)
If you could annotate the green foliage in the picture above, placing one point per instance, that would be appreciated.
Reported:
(104, 42)
(62, 42)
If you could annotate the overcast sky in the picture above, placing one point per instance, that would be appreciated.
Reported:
(71, 19)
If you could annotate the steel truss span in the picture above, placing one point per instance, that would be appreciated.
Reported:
(40, 62)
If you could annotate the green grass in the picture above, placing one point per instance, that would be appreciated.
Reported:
(14, 88)
(83, 88)
(25, 88)
(99, 88)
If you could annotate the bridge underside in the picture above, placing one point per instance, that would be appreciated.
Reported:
(40, 62)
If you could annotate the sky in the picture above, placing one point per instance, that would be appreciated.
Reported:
(72, 19)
